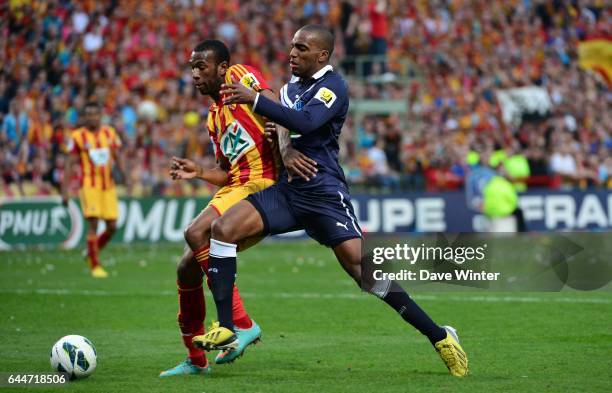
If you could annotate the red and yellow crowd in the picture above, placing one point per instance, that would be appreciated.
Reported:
(131, 56)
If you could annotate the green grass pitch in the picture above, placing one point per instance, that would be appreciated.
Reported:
(320, 333)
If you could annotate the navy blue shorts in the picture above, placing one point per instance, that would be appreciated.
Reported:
(326, 215)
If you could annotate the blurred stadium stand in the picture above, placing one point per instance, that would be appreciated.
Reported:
(434, 84)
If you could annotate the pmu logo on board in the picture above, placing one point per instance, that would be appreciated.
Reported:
(39, 221)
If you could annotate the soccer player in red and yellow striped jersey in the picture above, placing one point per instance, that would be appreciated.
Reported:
(246, 163)
(238, 135)
(94, 148)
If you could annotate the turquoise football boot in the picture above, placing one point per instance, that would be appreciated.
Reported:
(246, 337)
(186, 368)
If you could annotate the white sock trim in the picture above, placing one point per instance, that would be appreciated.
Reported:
(381, 288)
(221, 249)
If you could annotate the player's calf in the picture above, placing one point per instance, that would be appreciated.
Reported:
(191, 313)
(348, 254)
(107, 235)
(188, 270)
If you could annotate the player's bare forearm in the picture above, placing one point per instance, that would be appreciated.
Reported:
(185, 169)
(217, 175)
(295, 162)
(284, 139)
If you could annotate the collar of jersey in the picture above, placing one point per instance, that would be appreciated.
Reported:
(317, 75)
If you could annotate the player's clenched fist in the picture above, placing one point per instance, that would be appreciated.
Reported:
(182, 169)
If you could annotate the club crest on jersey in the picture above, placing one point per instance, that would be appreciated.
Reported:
(250, 80)
(326, 96)
(235, 141)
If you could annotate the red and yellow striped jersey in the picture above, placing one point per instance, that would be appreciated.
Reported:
(95, 153)
(238, 133)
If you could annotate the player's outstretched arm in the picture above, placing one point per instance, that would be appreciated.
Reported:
(318, 111)
(185, 169)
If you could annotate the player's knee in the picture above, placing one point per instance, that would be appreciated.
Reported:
(222, 230)
(188, 234)
(194, 235)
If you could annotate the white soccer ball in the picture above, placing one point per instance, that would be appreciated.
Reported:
(148, 110)
(74, 355)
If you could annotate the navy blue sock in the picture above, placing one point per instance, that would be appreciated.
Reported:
(222, 274)
(407, 308)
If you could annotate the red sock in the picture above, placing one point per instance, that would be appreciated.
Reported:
(239, 314)
(92, 251)
(201, 256)
(192, 311)
(103, 239)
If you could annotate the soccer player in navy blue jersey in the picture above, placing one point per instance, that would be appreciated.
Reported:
(313, 107)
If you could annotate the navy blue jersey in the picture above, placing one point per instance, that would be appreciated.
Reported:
(314, 111)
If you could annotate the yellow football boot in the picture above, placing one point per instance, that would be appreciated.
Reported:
(99, 272)
(217, 337)
(452, 354)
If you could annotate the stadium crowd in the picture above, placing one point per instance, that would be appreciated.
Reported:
(131, 56)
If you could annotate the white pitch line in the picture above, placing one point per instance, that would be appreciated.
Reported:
(315, 295)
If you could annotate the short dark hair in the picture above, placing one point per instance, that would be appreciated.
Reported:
(217, 47)
(324, 35)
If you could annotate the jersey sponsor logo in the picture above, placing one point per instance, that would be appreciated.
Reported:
(235, 141)
(326, 96)
(100, 156)
(250, 80)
